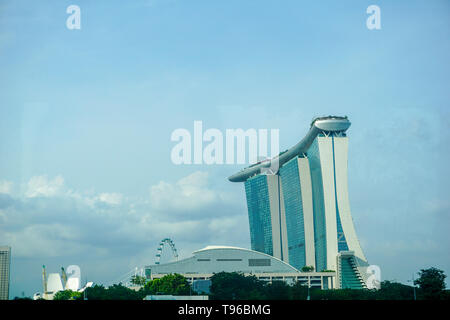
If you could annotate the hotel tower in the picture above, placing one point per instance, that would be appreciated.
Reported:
(298, 205)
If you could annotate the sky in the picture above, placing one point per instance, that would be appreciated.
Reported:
(86, 117)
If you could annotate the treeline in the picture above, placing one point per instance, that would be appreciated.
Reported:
(237, 286)
(172, 284)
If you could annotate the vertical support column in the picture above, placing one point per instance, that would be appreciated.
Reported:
(327, 167)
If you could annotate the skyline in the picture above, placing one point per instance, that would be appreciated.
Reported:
(86, 118)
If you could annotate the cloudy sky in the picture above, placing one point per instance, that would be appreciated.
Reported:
(86, 118)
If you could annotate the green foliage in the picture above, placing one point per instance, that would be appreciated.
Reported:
(394, 291)
(96, 292)
(236, 286)
(171, 284)
(431, 283)
(229, 286)
(138, 280)
(114, 292)
(307, 269)
(152, 287)
(67, 295)
(299, 291)
(278, 290)
(445, 295)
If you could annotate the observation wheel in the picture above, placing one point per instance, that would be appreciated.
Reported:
(166, 242)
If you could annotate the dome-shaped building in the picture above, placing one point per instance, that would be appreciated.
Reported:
(204, 263)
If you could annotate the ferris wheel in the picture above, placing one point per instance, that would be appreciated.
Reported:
(171, 244)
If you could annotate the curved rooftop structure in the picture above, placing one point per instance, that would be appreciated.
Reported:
(318, 125)
(214, 259)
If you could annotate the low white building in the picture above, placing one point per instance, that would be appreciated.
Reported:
(204, 263)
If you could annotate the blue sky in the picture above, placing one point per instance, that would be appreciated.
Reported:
(86, 117)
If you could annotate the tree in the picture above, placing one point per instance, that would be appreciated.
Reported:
(120, 292)
(394, 291)
(307, 269)
(299, 291)
(67, 295)
(96, 292)
(172, 284)
(153, 286)
(278, 290)
(138, 280)
(114, 292)
(236, 286)
(431, 283)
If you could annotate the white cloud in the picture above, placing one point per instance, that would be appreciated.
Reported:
(44, 240)
(110, 198)
(189, 193)
(41, 186)
(50, 219)
(49, 223)
(6, 187)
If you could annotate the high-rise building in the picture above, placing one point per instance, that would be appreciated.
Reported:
(5, 262)
(300, 212)
(297, 192)
(266, 215)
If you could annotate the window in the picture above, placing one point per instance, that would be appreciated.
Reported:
(228, 259)
(258, 262)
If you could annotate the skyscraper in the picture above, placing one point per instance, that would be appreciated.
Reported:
(5, 261)
(300, 212)
(297, 196)
(266, 215)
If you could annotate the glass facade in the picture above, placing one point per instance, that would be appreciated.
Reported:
(314, 210)
(318, 206)
(349, 275)
(293, 205)
(342, 242)
(258, 204)
(318, 202)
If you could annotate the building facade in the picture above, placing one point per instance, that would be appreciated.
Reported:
(297, 193)
(204, 263)
(266, 215)
(301, 213)
(5, 263)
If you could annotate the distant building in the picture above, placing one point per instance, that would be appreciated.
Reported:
(298, 204)
(206, 262)
(5, 263)
(54, 283)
